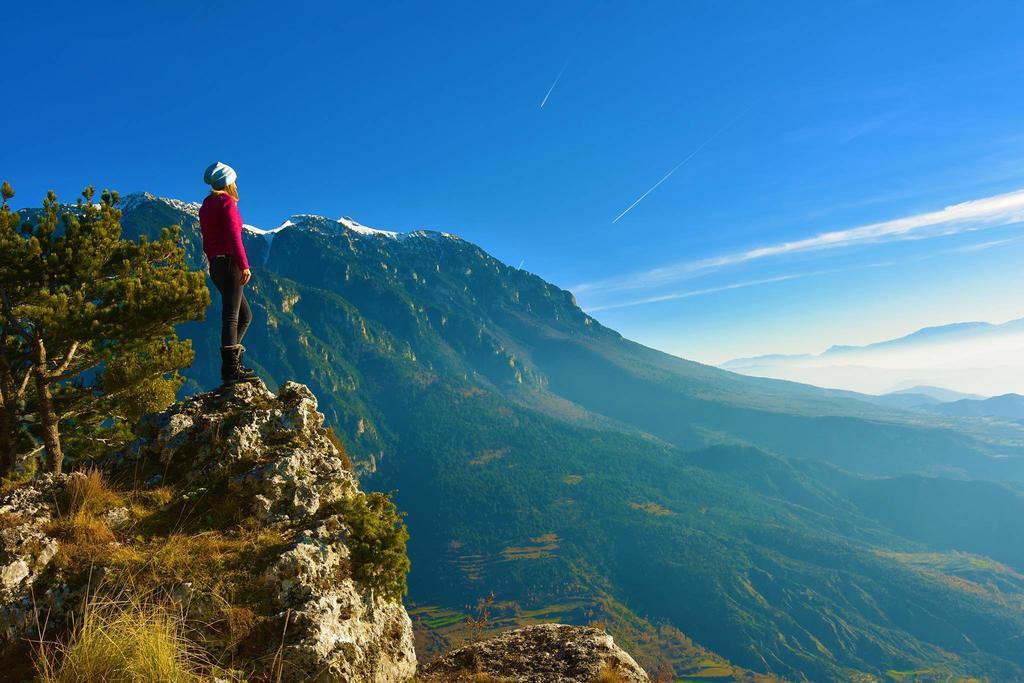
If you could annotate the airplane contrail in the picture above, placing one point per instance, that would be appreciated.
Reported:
(680, 164)
(557, 78)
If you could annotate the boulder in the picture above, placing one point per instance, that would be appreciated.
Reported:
(547, 653)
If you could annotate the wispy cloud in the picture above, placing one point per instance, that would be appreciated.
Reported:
(708, 290)
(983, 246)
(552, 88)
(968, 216)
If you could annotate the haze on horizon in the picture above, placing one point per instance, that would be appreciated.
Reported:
(713, 180)
(975, 358)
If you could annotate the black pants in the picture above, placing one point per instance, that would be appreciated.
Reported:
(235, 314)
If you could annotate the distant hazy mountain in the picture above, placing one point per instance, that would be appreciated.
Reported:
(973, 358)
(937, 394)
(1009, 406)
(919, 397)
(903, 401)
(581, 476)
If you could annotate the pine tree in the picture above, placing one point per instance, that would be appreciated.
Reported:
(15, 364)
(87, 320)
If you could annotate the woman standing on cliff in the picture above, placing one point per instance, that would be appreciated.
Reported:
(229, 267)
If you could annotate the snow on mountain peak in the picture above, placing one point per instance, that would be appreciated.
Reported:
(355, 226)
(134, 199)
(267, 231)
(131, 201)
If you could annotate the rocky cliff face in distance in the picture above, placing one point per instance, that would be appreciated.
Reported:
(238, 509)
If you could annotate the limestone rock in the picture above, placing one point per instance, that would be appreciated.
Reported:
(548, 653)
(280, 464)
(25, 549)
(271, 457)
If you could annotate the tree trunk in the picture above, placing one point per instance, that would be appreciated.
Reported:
(45, 414)
(8, 421)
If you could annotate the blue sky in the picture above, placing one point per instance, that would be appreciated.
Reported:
(794, 119)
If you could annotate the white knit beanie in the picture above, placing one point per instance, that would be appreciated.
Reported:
(218, 175)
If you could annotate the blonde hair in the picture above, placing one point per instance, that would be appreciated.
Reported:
(231, 189)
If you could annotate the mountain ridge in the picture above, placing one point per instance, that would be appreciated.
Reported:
(546, 458)
(940, 394)
(1009, 406)
(132, 200)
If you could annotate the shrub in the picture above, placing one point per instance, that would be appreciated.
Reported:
(478, 626)
(377, 537)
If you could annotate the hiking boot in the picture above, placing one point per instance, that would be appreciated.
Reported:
(245, 368)
(231, 370)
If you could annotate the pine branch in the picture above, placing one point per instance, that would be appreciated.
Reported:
(62, 368)
(24, 385)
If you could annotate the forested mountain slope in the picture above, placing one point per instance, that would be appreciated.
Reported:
(576, 474)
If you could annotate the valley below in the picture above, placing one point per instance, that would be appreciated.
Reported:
(722, 527)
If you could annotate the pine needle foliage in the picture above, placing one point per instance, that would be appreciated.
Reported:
(87, 325)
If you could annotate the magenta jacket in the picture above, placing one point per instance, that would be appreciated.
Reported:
(222, 229)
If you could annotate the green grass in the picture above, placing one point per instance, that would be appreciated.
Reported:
(435, 617)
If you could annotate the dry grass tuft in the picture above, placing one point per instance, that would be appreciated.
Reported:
(88, 494)
(80, 527)
(121, 641)
(172, 539)
(204, 557)
(332, 436)
(82, 531)
(609, 675)
(11, 519)
(158, 496)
